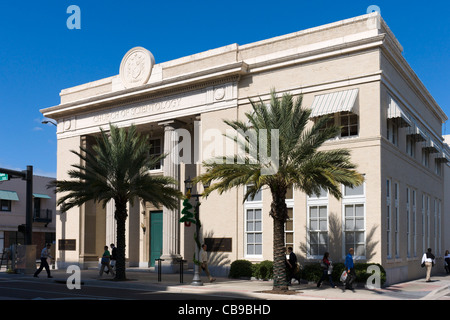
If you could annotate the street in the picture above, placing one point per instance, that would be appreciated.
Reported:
(24, 289)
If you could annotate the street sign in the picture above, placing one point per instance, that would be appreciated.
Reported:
(4, 177)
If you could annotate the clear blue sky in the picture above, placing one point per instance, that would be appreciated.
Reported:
(39, 55)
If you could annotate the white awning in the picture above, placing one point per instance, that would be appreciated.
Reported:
(334, 102)
(415, 131)
(395, 112)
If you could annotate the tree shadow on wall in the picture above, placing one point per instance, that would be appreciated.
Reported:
(218, 261)
(335, 241)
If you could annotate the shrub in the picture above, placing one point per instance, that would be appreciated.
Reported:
(241, 269)
(313, 272)
(263, 270)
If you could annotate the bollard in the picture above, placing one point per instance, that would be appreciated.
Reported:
(159, 268)
(181, 261)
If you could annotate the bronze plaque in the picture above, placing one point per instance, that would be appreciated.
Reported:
(67, 244)
(218, 244)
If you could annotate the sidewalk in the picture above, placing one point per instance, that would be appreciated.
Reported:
(145, 279)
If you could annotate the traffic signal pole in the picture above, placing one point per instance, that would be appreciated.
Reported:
(28, 176)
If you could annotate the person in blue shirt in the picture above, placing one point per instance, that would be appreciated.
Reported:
(351, 275)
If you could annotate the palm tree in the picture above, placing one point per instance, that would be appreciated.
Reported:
(300, 164)
(117, 168)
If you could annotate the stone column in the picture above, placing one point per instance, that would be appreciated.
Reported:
(171, 245)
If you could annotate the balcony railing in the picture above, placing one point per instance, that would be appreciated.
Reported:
(42, 215)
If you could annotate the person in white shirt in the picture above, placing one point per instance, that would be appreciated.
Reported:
(204, 263)
(45, 253)
(428, 262)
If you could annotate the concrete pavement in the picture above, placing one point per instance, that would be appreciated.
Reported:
(147, 279)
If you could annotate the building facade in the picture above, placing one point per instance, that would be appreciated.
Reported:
(352, 69)
(13, 213)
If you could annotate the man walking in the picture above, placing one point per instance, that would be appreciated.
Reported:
(291, 264)
(45, 253)
(350, 267)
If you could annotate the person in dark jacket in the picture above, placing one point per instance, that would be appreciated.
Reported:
(326, 268)
(291, 266)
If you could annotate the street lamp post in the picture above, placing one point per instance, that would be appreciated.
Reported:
(49, 121)
(196, 281)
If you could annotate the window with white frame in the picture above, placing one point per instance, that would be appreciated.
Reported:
(253, 225)
(428, 220)
(414, 221)
(349, 124)
(408, 222)
(318, 224)
(423, 221)
(388, 219)
(354, 220)
(253, 232)
(289, 229)
(396, 220)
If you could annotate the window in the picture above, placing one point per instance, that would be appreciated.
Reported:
(423, 222)
(437, 167)
(392, 132)
(388, 218)
(414, 221)
(2, 240)
(349, 124)
(396, 220)
(355, 228)
(5, 205)
(256, 198)
(317, 224)
(289, 229)
(253, 232)
(347, 121)
(318, 230)
(354, 220)
(408, 222)
(410, 146)
(156, 150)
(426, 158)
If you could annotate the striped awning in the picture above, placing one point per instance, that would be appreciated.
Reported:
(334, 102)
(430, 145)
(396, 113)
(8, 195)
(416, 131)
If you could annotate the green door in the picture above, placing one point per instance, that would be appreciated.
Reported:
(156, 236)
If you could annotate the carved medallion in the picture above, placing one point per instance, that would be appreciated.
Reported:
(136, 67)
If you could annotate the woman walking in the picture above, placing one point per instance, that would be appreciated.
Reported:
(327, 269)
(428, 262)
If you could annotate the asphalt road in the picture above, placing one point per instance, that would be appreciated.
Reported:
(17, 289)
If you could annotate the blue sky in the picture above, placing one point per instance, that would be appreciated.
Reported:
(39, 55)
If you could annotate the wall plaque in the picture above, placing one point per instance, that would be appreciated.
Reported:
(67, 244)
(218, 244)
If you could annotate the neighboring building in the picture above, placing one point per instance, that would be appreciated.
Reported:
(13, 212)
(352, 69)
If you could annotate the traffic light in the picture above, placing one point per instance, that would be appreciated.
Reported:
(188, 216)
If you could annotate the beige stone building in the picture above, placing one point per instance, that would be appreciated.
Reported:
(352, 69)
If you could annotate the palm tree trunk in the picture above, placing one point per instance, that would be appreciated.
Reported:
(278, 211)
(121, 217)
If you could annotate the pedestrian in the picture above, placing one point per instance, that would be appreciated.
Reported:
(105, 262)
(291, 266)
(204, 262)
(350, 267)
(113, 257)
(428, 263)
(327, 269)
(447, 262)
(45, 253)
